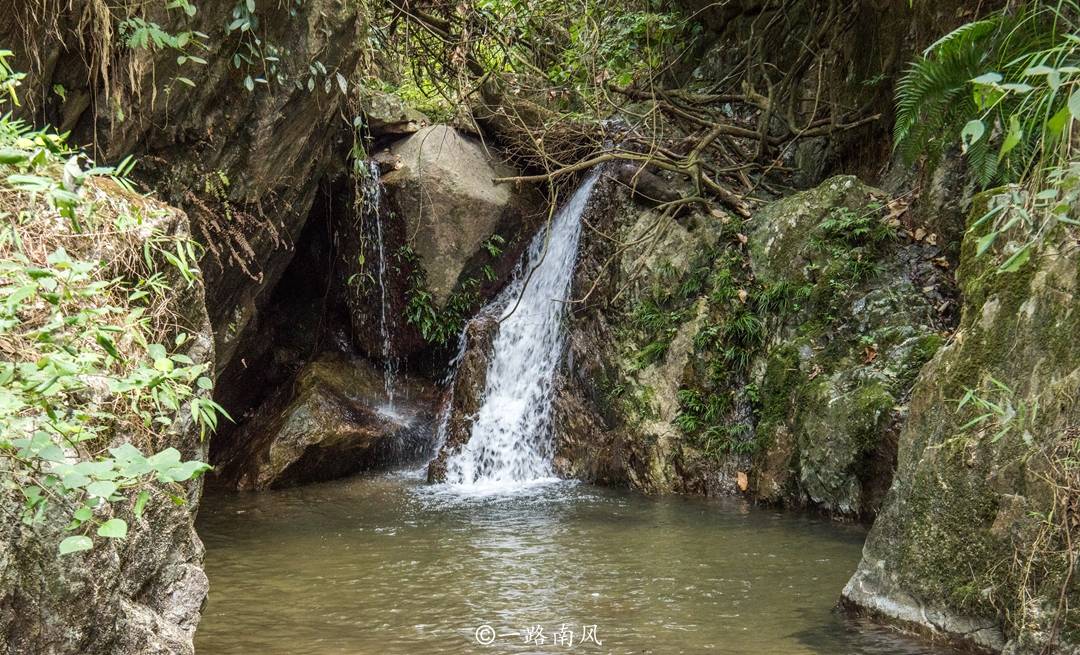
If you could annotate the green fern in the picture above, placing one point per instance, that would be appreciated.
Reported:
(932, 98)
(978, 82)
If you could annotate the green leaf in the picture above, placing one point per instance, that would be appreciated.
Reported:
(101, 489)
(140, 503)
(972, 132)
(1018, 259)
(11, 156)
(1074, 104)
(75, 544)
(988, 78)
(1012, 138)
(107, 344)
(249, 83)
(985, 242)
(113, 529)
(1056, 124)
(187, 470)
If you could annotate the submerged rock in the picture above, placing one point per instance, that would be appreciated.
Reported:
(333, 421)
(977, 538)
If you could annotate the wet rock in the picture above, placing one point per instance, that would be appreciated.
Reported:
(333, 421)
(466, 394)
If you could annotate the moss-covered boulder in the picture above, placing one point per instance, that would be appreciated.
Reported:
(851, 308)
(977, 538)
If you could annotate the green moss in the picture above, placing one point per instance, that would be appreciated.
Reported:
(922, 352)
(779, 391)
(867, 410)
(949, 552)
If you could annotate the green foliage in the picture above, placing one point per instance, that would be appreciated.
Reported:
(569, 51)
(704, 419)
(996, 411)
(1010, 78)
(704, 415)
(83, 374)
(139, 33)
(852, 242)
(438, 326)
(621, 46)
(1009, 87)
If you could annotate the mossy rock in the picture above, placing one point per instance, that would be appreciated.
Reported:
(959, 547)
(843, 356)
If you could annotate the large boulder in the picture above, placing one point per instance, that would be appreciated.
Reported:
(441, 185)
(333, 421)
(772, 357)
(977, 538)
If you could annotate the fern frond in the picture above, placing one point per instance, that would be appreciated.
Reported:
(963, 36)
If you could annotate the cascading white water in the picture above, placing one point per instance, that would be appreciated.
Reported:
(372, 191)
(511, 439)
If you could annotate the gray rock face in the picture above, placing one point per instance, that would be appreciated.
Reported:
(441, 185)
(387, 114)
(858, 324)
(142, 596)
(973, 540)
(332, 422)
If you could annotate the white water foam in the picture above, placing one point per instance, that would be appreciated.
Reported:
(511, 443)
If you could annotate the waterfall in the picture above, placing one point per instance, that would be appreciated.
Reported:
(372, 198)
(511, 439)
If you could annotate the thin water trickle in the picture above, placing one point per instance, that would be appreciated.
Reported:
(373, 192)
(511, 441)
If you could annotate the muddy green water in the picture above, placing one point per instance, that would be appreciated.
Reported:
(388, 566)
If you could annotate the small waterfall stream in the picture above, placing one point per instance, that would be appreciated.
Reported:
(511, 439)
(372, 199)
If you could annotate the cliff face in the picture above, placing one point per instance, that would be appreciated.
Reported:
(977, 538)
(772, 356)
(142, 594)
(245, 165)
